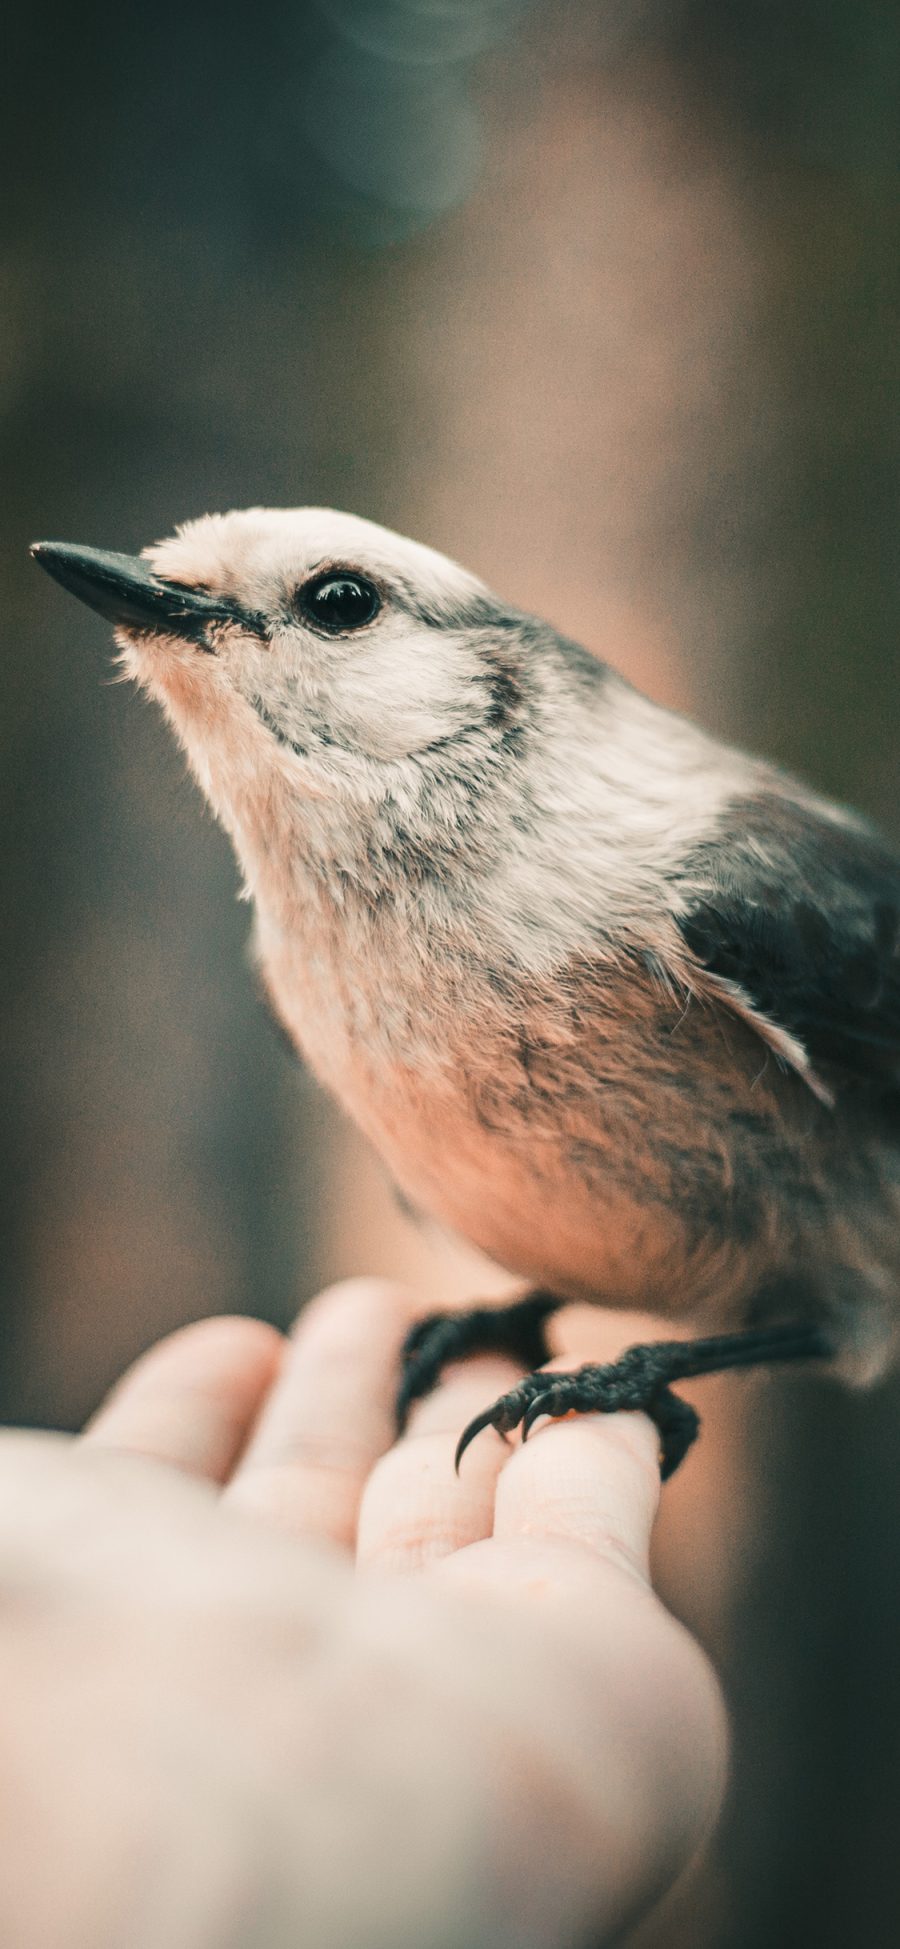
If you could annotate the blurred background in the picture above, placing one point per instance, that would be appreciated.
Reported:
(599, 298)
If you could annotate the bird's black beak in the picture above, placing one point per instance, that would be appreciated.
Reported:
(124, 589)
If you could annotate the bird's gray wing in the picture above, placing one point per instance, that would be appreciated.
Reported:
(799, 910)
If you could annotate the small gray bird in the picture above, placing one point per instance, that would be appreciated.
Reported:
(617, 1003)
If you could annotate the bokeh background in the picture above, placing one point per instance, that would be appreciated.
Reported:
(600, 298)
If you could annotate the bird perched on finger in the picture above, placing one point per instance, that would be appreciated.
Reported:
(618, 1003)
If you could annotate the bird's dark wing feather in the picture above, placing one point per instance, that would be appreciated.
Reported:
(802, 912)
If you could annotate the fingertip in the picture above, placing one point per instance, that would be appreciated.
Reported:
(331, 1416)
(347, 1311)
(591, 1479)
(191, 1399)
(220, 1347)
(222, 1341)
(415, 1510)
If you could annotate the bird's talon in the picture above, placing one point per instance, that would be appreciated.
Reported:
(486, 1420)
(541, 1405)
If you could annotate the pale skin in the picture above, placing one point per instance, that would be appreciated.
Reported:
(271, 1679)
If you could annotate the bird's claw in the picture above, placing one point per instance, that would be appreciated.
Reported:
(503, 1416)
(542, 1404)
(633, 1382)
(522, 1406)
(517, 1330)
(640, 1378)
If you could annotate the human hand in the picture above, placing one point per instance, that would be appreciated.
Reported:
(217, 1731)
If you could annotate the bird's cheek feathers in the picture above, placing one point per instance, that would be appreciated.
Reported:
(391, 693)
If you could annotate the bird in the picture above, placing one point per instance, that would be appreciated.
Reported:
(616, 1002)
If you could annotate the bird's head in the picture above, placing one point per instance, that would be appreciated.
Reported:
(307, 657)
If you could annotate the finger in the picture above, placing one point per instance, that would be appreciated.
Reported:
(331, 1414)
(191, 1401)
(589, 1479)
(415, 1508)
(599, 1488)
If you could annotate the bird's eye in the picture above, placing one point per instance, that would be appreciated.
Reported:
(339, 602)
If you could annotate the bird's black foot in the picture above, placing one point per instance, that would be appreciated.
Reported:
(632, 1382)
(519, 1330)
(641, 1379)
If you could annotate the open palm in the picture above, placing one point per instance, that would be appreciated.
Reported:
(515, 1744)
